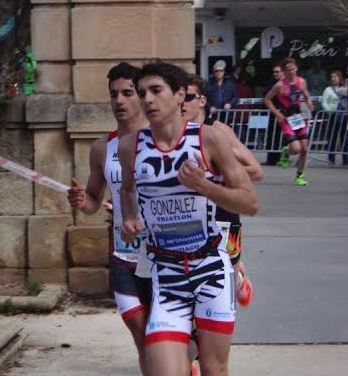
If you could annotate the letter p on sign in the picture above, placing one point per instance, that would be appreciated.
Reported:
(271, 37)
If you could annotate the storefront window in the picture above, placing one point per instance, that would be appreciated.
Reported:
(260, 48)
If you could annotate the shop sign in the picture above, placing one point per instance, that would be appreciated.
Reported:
(273, 37)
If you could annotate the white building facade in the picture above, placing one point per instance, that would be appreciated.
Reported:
(257, 34)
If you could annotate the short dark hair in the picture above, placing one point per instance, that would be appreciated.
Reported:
(286, 61)
(123, 70)
(173, 75)
(199, 82)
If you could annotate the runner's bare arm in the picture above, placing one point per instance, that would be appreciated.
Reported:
(267, 100)
(242, 153)
(238, 194)
(89, 200)
(306, 95)
(131, 222)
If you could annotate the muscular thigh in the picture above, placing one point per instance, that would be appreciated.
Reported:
(215, 303)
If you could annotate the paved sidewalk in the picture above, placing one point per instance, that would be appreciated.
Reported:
(296, 254)
(99, 344)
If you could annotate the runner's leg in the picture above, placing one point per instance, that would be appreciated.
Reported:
(303, 156)
(215, 315)
(167, 358)
(169, 326)
(214, 349)
(295, 147)
(132, 297)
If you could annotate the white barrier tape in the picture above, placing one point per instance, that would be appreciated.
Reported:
(38, 178)
(32, 175)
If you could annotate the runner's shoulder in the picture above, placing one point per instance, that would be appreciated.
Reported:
(98, 149)
(218, 132)
(128, 143)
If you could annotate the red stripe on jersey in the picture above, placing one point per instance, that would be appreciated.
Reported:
(133, 312)
(167, 336)
(112, 135)
(223, 327)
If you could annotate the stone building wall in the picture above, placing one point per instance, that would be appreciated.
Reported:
(75, 44)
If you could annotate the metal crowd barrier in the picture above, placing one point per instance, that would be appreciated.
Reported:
(259, 131)
(255, 128)
(329, 134)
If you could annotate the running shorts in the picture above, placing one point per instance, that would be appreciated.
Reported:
(132, 293)
(293, 135)
(185, 290)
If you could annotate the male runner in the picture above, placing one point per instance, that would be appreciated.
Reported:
(193, 111)
(132, 294)
(173, 166)
(288, 91)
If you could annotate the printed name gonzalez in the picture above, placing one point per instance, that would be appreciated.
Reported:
(173, 206)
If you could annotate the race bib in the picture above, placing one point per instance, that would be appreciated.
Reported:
(224, 228)
(296, 122)
(129, 250)
(181, 236)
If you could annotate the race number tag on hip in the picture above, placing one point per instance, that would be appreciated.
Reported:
(128, 248)
(296, 121)
(224, 228)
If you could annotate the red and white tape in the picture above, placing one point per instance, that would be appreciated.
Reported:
(32, 175)
(39, 178)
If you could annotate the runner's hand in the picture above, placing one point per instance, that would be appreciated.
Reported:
(212, 110)
(131, 228)
(280, 118)
(192, 173)
(76, 195)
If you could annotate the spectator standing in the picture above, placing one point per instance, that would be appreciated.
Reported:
(273, 134)
(236, 73)
(346, 72)
(221, 92)
(335, 99)
(316, 81)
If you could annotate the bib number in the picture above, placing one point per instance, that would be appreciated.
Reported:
(296, 121)
(124, 247)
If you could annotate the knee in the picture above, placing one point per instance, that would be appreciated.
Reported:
(294, 149)
(304, 148)
(303, 151)
(213, 367)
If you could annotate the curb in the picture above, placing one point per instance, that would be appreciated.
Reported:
(12, 337)
(46, 301)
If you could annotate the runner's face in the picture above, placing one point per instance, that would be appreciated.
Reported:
(124, 100)
(159, 103)
(290, 71)
(193, 104)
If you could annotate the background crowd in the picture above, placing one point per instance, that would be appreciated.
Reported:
(328, 89)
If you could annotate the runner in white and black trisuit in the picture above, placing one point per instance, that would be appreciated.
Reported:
(229, 223)
(174, 166)
(132, 292)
